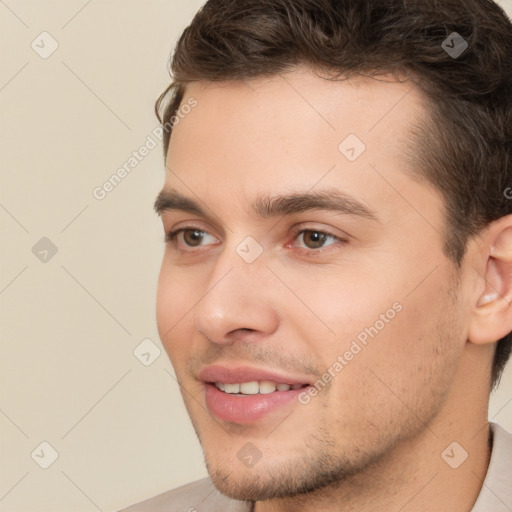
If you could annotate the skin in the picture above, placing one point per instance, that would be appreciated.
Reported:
(372, 439)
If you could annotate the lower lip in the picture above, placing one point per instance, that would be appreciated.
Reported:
(248, 408)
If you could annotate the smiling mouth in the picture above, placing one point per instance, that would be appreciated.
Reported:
(264, 387)
(244, 395)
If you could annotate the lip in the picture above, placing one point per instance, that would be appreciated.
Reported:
(248, 409)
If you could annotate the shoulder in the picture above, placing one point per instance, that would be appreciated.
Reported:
(501, 436)
(500, 466)
(496, 492)
(199, 496)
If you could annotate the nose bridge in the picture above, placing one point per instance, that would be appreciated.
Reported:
(236, 296)
(243, 261)
(243, 258)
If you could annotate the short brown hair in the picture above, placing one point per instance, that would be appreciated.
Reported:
(465, 150)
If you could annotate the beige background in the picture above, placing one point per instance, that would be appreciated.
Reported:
(70, 324)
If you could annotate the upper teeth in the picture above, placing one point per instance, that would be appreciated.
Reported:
(254, 387)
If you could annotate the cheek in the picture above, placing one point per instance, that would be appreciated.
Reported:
(341, 305)
(377, 322)
(174, 299)
(409, 363)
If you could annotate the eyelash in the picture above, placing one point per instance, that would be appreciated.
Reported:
(171, 236)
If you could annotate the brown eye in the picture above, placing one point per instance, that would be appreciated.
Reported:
(314, 239)
(193, 237)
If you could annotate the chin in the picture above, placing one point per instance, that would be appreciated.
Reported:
(257, 486)
(280, 479)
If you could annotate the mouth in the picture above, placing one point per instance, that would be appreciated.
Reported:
(255, 387)
(244, 395)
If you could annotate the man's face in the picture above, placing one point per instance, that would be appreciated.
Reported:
(342, 283)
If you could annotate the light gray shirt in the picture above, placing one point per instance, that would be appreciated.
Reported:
(201, 496)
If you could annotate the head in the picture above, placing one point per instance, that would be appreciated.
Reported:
(338, 197)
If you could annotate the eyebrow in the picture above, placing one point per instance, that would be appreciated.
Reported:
(331, 200)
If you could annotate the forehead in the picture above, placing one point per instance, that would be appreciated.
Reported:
(280, 112)
(294, 132)
(362, 104)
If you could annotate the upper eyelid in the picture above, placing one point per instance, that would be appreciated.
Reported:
(300, 226)
(177, 231)
(172, 217)
(296, 231)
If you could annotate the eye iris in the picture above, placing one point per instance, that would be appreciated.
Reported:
(316, 239)
(193, 237)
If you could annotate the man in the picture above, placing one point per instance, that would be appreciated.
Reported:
(336, 284)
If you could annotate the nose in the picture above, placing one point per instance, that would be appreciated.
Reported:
(238, 303)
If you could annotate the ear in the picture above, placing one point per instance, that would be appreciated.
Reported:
(491, 318)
